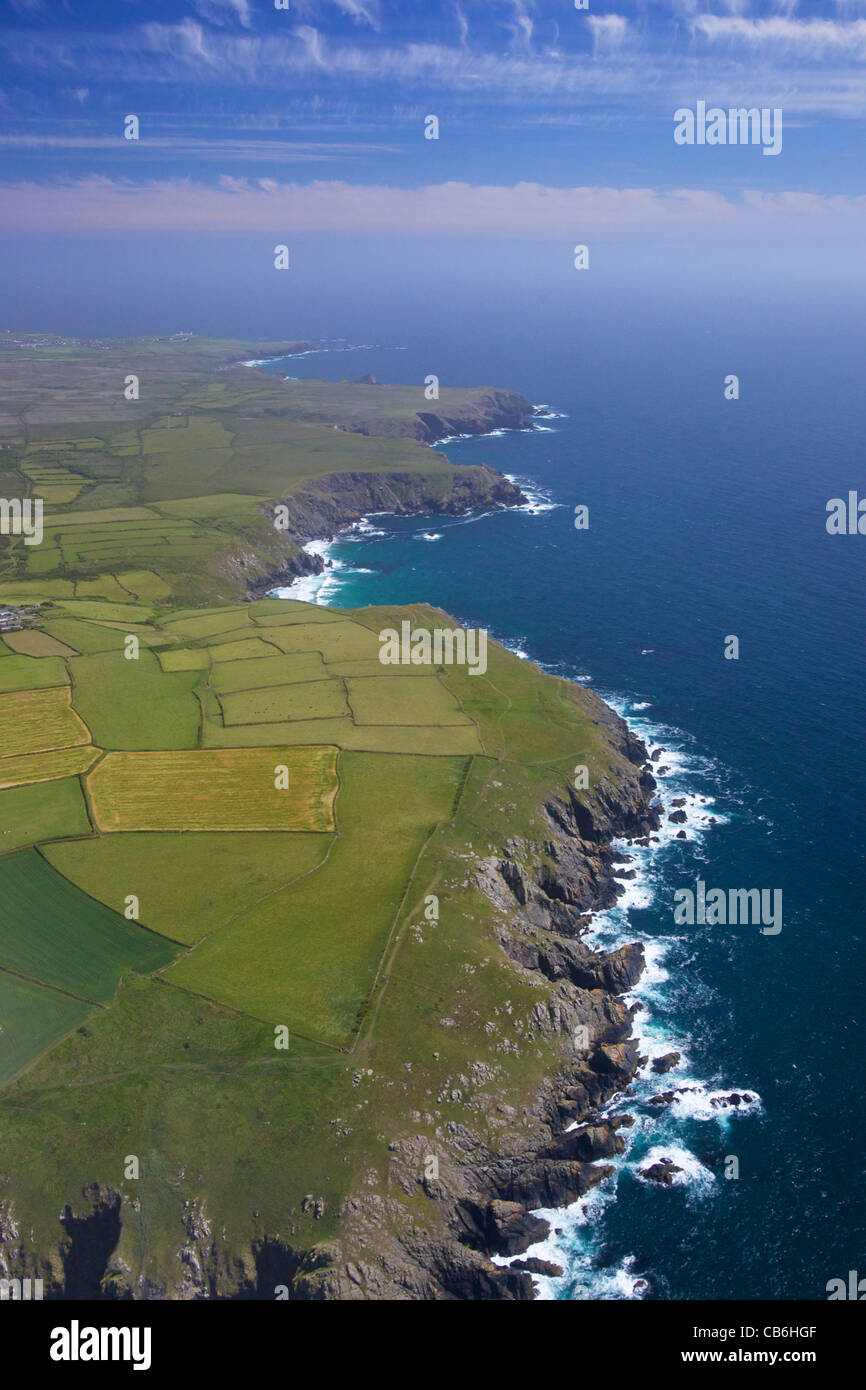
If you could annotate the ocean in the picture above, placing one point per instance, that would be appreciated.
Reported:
(706, 521)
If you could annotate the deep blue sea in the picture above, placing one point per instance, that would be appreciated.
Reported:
(707, 519)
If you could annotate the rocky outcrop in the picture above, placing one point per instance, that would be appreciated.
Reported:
(325, 506)
(543, 892)
(494, 410)
(663, 1172)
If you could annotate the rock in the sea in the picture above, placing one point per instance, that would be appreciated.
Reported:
(535, 1266)
(665, 1063)
(677, 818)
(662, 1172)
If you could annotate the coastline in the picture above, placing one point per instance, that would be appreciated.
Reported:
(550, 1242)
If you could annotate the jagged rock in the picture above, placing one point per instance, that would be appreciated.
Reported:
(510, 1229)
(589, 1142)
(662, 1172)
(554, 1182)
(665, 1063)
(533, 1265)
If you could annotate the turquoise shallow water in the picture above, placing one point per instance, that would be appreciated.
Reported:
(706, 519)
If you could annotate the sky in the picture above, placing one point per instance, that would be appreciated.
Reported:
(555, 123)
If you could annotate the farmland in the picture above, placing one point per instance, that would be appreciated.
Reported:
(306, 956)
(71, 943)
(32, 1018)
(32, 721)
(231, 789)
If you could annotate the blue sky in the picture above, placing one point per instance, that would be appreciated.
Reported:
(313, 117)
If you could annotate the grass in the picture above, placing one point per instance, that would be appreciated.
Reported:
(187, 884)
(448, 741)
(268, 671)
(135, 704)
(184, 659)
(338, 641)
(42, 811)
(211, 789)
(206, 624)
(83, 637)
(390, 700)
(32, 1018)
(29, 673)
(58, 936)
(33, 721)
(318, 699)
(241, 651)
(104, 586)
(307, 956)
(147, 586)
(107, 612)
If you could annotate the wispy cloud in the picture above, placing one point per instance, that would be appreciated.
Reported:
(609, 31)
(224, 11)
(812, 38)
(525, 210)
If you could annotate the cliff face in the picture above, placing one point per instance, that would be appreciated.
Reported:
(495, 410)
(542, 891)
(328, 504)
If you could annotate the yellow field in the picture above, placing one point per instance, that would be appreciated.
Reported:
(46, 767)
(34, 721)
(215, 789)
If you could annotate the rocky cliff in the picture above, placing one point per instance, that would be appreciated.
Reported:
(543, 892)
(328, 504)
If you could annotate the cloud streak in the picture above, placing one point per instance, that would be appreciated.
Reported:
(524, 211)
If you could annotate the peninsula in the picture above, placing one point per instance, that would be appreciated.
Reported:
(293, 996)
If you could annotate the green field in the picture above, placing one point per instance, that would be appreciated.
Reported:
(339, 641)
(261, 672)
(188, 884)
(390, 700)
(28, 673)
(135, 704)
(32, 1019)
(307, 956)
(42, 811)
(324, 699)
(71, 942)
